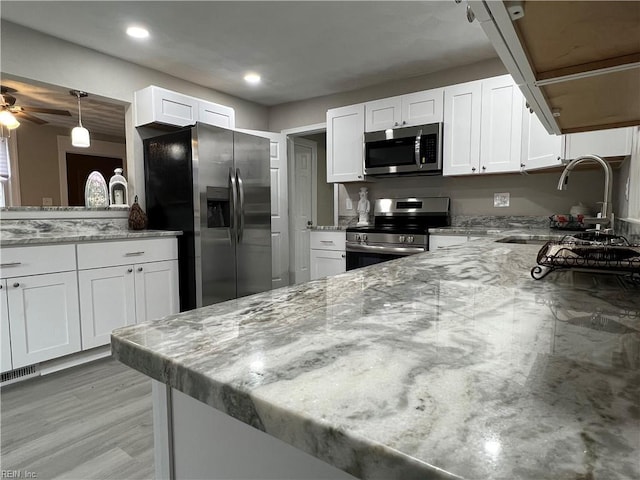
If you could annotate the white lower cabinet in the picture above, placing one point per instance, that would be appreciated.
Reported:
(5, 336)
(53, 304)
(328, 256)
(43, 317)
(40, 315)
(116, 293)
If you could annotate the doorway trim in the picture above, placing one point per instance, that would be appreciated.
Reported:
(98, 148)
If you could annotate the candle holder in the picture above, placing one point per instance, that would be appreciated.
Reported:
(118, 190)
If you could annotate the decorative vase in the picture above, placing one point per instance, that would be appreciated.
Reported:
(95, 191)
(137, 218)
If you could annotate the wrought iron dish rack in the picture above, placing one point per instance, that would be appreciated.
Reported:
(594, 251)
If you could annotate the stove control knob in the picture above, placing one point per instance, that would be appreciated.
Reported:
(410, 239)
(364, 237)
(357, 237)
(402, 238)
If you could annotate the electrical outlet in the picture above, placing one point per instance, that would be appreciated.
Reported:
(348, 204)
(501, 199)
(47, 201)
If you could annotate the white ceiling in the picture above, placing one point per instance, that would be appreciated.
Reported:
(302, 49)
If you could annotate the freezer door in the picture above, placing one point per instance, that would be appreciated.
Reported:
(215, 173)
(254, 214)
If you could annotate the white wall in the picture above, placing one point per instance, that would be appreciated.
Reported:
(534, 194)
(314, 110)
(33, 56)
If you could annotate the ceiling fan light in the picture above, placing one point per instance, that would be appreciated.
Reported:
(8, 120)
(80, 137)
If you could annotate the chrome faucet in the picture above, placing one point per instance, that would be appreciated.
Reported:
(605, 217)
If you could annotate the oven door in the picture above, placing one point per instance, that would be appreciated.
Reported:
(359, 255)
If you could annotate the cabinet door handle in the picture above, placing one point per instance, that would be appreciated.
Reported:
(16, 285)
(327, 241)
(133, 254)
(343, 255)
(10, 264)
(473, 169)
(129, 270)
(484, 168)
(139, 269)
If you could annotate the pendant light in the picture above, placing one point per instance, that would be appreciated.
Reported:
(80, 135)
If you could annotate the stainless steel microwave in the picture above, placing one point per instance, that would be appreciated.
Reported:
(406, 150)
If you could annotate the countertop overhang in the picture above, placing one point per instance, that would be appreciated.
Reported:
(447, 364)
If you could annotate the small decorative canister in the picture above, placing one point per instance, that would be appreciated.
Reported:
(118, 191)
(137, 218)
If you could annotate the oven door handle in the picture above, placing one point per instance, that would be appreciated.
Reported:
(417, 148)
(382, 249)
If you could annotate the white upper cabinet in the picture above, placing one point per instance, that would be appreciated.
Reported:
(540, 149)
(218, 115)
(461, 143)
(158, 105)
(500, 125)
(404, 111)
(383, 114)
(615, 142)
(345, 148)
(483, 127)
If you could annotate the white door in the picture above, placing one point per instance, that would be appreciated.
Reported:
(461, 146)
(279, 207)
(156, 292)
(5, 336)
(43, 317)
(500, 125)
(107, 302)
(303, 168)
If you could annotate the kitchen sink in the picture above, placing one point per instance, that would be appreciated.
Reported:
(522, 240)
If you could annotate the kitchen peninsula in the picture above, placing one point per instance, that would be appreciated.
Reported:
(447, 364)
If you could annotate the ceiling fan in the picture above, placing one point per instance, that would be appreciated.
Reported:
(8, 103)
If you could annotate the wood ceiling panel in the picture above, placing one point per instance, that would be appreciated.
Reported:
(561, 34)
(603, 101)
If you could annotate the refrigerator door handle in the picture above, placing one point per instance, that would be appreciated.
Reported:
(241, 206)
(233, 199)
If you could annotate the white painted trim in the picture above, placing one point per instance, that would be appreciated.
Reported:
(162, 430)
(336, 200)
(306, 129)
(76, 359)
(587, 74)
(14, 180)
(98, 148)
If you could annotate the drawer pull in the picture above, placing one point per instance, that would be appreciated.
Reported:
(133, 254)
(327, 241)
(10, 264)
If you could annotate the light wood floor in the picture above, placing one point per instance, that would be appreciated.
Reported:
(89, 422)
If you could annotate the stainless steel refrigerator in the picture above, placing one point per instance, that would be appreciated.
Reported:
(214, 185)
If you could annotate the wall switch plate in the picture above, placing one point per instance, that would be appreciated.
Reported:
(47, 201)
(348, 204)
(501, 199)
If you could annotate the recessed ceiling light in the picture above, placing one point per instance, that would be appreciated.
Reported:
(137, 32)
(252, 78)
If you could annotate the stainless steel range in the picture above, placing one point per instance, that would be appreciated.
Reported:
(400, 228)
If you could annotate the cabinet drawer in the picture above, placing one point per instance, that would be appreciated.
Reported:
(36, 260)
(106, 254)
(328, 240)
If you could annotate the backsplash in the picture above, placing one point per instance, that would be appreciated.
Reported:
(533, 195)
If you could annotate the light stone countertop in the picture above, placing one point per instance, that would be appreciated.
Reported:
(447, 364)
(47, 231)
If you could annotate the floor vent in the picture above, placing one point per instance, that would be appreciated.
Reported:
(19, 374)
